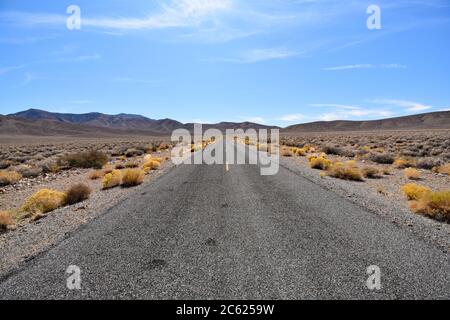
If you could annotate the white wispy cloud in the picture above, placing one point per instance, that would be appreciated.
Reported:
(292, 117)
(81, 58)
(179, 13)
(334, 105)
(7, 69)
(135, 80)
(410, 106)
(345, 112)
(259, 55)
(366, 66)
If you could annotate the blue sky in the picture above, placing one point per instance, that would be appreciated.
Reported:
(268, 61)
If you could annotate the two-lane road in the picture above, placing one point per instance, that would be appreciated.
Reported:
(204, 232)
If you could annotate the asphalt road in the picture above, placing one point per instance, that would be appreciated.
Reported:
(204, 232)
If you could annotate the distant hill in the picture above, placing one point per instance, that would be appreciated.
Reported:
(433, 120)
(40, 122)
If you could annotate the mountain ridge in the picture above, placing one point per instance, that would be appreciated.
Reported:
(41, 122)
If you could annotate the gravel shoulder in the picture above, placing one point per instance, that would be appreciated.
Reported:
(29, 239)
(390, 204)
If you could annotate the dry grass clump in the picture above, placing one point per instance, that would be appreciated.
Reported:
(151, 164)
(5, 220)
(301, 152)
(370, 172)
(402, 163)
(433, 204)
(111, 180)
(9, 177)
(132, 177)
(346, 172)
(78, 193)
(50, 166)
(286, 152)
(320, 162)
(44, 201)
(412, 174)
(428, 163)
(131, 165)
(444, 169)
(382, 158)
(90, 159)
(96, 174)
(414, 191)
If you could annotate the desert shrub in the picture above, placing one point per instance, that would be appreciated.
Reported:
(414, 191)
(132, 177)
(78, 193)
(434, 204)
(382, 158)
(95, 174)
(320, 163)
(301, 152)
(151, 165)
(130, 165)
(412, 174)
(338, 151)
(119, 166)
(332, 150)
(44, 201)
(4, 164)
(428, 163)
(113, 179)
(133, 152)
(346, 172)
(107, 169)
(402, 163)
(31, 172)
(5, 220)
(370, 172)
(286, 152)
(444, 169)
(50, 166)
(90, 159)
(9, 177)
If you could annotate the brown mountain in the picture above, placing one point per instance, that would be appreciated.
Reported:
(40, 122)
(433, 120)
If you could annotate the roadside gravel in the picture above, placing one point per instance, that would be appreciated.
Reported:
(390, 205)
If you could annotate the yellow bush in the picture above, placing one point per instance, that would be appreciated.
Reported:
(301, 152)
(132, 177)
(44, 201)
(320, 163)
(404, 163)
(151, 165)
(351, 163)
(414, 191)
(285, 152)
(346, 172)
(9, 177)
(107, 169)
(5, 220)
(412, 174)
(434, 204)
(112, 179)
(444, 169)
(96, 174)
